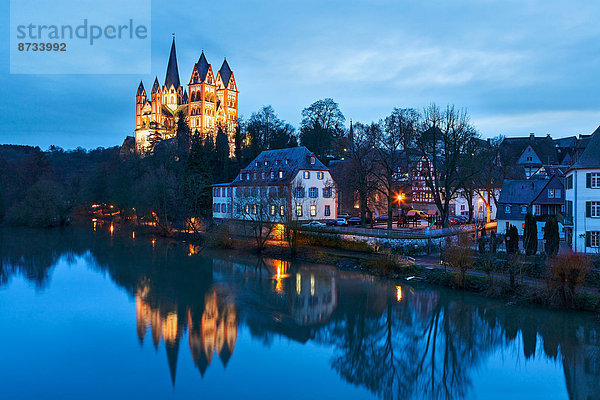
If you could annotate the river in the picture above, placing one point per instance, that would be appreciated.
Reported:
(90, 314)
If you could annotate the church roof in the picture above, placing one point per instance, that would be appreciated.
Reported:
(156, 86)
(590, 158)
(202, 65)
(141, 91)
(172, 77)
(225, 73)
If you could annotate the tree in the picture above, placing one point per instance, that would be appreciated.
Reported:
(362, 163)
(444, 140)
(512, 240)
(183, 134)
(458, 253)
(322, 122)
(530, 240)
(267, 132)
(221, 166)
(197, 179)
(392, 144)
(551, 236)
(489, 176)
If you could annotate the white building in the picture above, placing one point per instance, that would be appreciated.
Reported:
(279, 185)
(480, 202)
(583, 199)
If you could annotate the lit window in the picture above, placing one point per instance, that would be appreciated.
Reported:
(272, 211)
(298, 211)
(280, 174)
(313, 192)
(550, 193)
(254, 209)
(313, 211)
(327, 211)
(247, 209)
(281, 210)
(306, 174)
(320, 175)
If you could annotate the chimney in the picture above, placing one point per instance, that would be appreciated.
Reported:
(532, 135)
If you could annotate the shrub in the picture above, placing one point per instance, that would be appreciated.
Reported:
(219, 237)
(567, 272)
(458, 253)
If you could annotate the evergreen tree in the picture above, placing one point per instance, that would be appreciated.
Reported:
(530, 240)
(221, 171)
(197, 181)
(183, 134)
(551, 236)
(512, 240)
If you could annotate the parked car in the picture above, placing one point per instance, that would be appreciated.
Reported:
(314, 224)
(421, 214)
(343, 215)
(353, 221)
(463, 219)
(452, 220)
(341, 221)
(381, 218)
(330, 222)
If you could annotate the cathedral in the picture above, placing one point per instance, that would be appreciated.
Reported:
(209, 103)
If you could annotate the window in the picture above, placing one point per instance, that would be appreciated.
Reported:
(593, 180)
(480, 209)
(537, 209)
(327, 192)
(550, 193)
(247, 176)
(228, 192)
(327, 211)
(462, 207)
(320, 175)
(593, 239)
(254, 175)
(313, 211)
(313, 192)
(594, 209)
(247, 209)
(262, 175)
(281, 210)
(223, 207)
(272, 210)
(523, 209)
(313, 159)
(254, 209)
(557, 193)
(300, 192)
(298, 211)
(306, 174)
(287, 161)
(280, 174)
(272, 174)
(507, 209)
(218, 209)
(266, 163)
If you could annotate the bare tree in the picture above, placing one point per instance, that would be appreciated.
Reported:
(444, 139)
(392, 145)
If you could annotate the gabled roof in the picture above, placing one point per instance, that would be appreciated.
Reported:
(289, 161)
(172, 77)
(141, 91)
(156, 86)
(590, 158)
(202, 65)
(544, 147)
(521, 191)
(225, 73)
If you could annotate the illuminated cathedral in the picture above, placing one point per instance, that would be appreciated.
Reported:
(209, 103)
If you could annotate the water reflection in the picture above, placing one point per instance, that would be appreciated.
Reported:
(399, 342)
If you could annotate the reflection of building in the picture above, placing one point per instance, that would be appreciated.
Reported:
(314, 297)
(582, 366)
(215, 330)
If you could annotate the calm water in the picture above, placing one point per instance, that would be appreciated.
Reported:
(84, 314)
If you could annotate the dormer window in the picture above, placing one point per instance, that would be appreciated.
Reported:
(254, 175)
(256, 164)
(287, 161)
(280, 174)
(266, 163)
(247, 176)
(262, 175)
(241, 177)
(272, 174)
(313, 159)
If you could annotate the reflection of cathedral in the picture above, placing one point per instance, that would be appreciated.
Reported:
(214, 330)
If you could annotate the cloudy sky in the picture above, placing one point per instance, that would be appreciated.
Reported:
(516, 66)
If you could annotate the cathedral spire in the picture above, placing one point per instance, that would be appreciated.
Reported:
(202, 65)
(225, 73)
(156, 86)
(141, 91)
(172, 77)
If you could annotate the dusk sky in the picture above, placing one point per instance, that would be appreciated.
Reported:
(516, 66)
